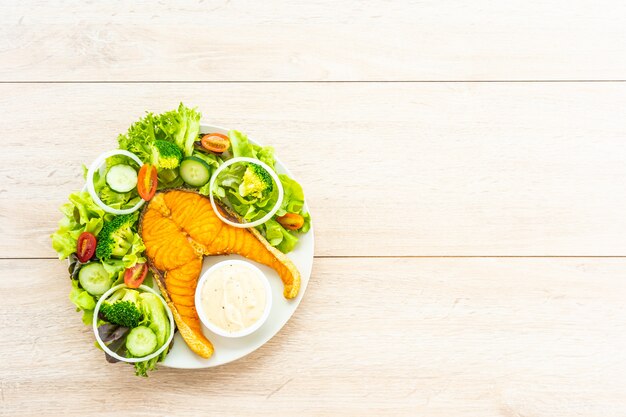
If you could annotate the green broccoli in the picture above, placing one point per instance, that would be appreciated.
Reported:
(116, 237)
(256, 182)
(123, 307)
(166, 154)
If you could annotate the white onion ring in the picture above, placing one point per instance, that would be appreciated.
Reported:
(92, 189)
(281, 192)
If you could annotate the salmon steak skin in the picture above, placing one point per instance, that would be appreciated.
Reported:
(179, 227)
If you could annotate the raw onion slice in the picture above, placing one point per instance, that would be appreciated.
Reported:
(279, 185)
(92, 189)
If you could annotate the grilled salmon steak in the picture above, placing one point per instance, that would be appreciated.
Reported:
(178, 228)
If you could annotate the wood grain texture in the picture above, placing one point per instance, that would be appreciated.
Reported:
(392, 170)
(312, 40)
(389, 169)
(398, 337)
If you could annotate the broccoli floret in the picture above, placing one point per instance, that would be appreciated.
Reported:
(256, 182)
(123, 308)
(166, 154)
(116, 237)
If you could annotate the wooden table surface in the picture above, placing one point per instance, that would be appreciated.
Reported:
(464, 163)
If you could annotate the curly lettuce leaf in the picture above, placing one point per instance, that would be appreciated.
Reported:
(139, 138)
(136, 253)
(83, 301)
(213, 161)
(180, 126)
(293, 201)
(229, 178)
(240, 146)
(265, 154)
(117, 200)
(63, 243)
(80, 215)
(142, 368)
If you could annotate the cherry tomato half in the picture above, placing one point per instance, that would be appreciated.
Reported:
(291, 221)
(134, 276)
(147, 181)
(215, 142)
(85, 246)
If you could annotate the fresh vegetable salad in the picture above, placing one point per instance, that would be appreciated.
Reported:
(99, 228)
(132, 324)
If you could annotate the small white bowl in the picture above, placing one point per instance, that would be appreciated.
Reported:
(248, 330)
(104, 347)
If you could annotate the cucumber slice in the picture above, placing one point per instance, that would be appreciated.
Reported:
(141, 341)
(122, 178)
(194, 171)
(94, 279)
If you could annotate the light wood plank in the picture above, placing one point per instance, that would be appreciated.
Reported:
(312, 40)
(388, 169)
(437, 337)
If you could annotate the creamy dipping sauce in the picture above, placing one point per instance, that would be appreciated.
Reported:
(233, 297)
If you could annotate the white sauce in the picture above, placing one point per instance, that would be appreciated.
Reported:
(233, 297)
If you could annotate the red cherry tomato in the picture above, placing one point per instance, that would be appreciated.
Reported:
(134, 276)
(291, 221)
(85, 247)
(147, 181)
(215, 142)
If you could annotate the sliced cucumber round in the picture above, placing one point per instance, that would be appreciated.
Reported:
(94, 279)
(122, 178)
(194, 171)
(141, 341)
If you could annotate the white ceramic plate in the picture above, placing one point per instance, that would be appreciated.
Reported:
(231, 349)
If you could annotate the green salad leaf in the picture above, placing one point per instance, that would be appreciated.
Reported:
(213, 161)
(140, 138)
(181, 127)
(240, 145)
(80, 215)
(83, 301)
(293, 201)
